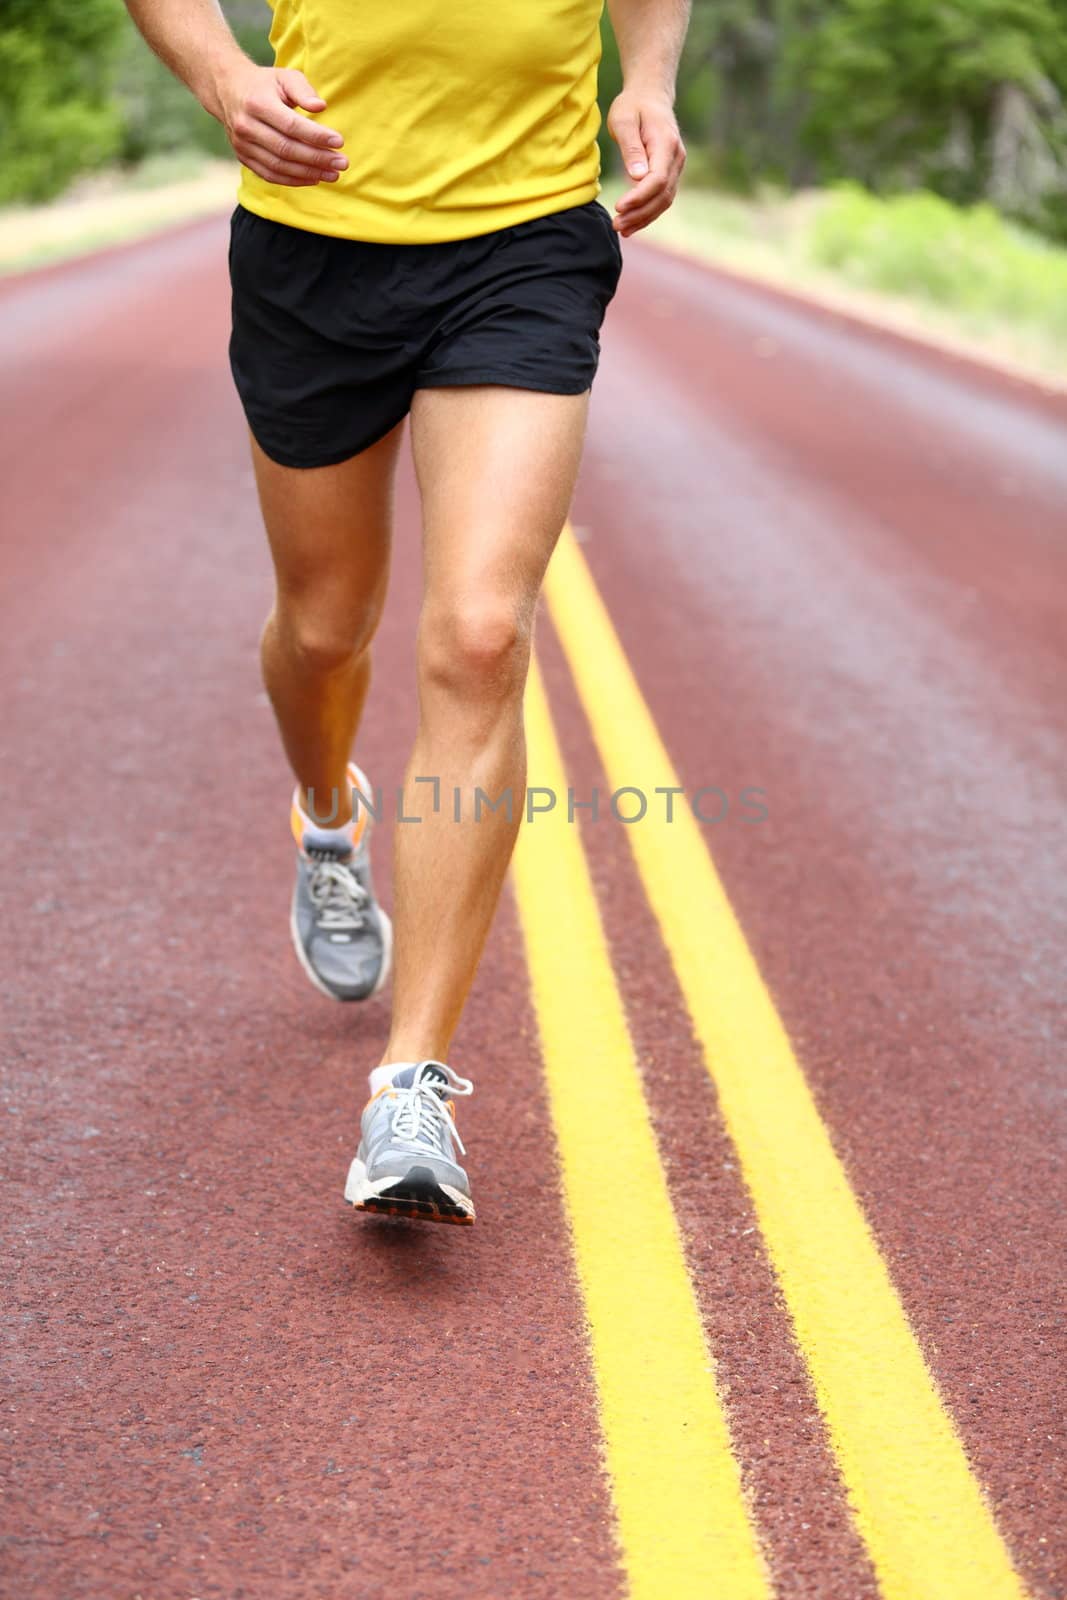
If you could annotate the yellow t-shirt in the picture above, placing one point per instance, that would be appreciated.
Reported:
(459, 116)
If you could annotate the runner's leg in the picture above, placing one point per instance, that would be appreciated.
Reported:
(496, 469)
(329, 530)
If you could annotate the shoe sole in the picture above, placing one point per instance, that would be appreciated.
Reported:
(324, 988)
(417, 1195)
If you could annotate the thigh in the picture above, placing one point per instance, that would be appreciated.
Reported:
(330, 528)
(496, 468)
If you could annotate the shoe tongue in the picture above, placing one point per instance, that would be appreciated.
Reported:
(430, 1073)
(325, 847)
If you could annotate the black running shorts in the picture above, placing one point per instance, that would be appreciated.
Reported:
(331, 337)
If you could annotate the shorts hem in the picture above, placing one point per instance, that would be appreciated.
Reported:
(332, 458)
(464, 377)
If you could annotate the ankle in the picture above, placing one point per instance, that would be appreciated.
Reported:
(330, 808)
(404, 1054)
(379, 1076)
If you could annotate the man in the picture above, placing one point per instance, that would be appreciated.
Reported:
(418, 234)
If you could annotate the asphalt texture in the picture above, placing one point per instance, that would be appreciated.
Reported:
(837, 564)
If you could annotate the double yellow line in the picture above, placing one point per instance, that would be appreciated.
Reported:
(683, 1525)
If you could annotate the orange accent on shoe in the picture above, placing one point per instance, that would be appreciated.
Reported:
(296, 823)
(360, 813)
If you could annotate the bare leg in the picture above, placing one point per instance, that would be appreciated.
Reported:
(329, 530)
(496, 469)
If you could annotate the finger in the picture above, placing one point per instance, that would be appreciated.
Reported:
(256, 130)
(626, 131)
(268, 176)
(298, 91)
(653, 208)
(648, 189)
(634, 223)
(666, 151)
(642, 223)
(276, 114)
(662, 146)
(289, 170)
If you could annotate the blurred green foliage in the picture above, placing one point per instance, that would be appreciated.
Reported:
(79, 88)
(965, 97)
(57, 116)
(923, 247)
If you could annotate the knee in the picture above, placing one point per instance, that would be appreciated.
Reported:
(478, 649)
(323, 639)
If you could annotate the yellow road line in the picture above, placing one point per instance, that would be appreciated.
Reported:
(682, 1520)
(920, 1511)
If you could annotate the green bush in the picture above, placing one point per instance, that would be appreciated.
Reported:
(79, 88)
(55, 75)
(968, 258)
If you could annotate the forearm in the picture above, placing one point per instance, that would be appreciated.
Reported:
(193, 38)
(650, 35)
(258, 106)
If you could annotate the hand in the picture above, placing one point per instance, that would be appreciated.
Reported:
(256, 106)
(646, 131)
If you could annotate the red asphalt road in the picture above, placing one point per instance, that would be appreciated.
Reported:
(838, 564)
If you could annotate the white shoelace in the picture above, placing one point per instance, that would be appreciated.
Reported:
(421, 1116)
(339, 896)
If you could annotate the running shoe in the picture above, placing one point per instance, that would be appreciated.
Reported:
(342, 937)
(406, 1162)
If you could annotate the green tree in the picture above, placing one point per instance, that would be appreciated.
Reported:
(965, 97)
(56, 115)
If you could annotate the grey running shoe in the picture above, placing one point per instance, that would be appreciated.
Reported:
(406, 1162)
(342, 937)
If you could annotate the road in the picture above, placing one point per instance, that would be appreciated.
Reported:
(768, 1134)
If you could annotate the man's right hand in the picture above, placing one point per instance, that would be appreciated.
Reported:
(256, 105)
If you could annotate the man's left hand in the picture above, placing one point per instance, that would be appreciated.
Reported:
(646, 131)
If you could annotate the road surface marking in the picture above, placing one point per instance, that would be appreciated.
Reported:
(683, 1525)
(917, 1505)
